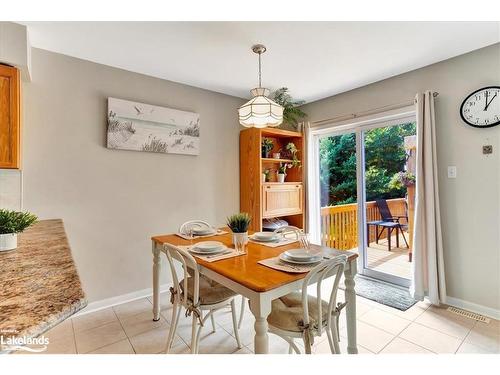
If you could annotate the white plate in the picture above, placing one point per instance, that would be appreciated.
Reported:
(265, 235)
(208, 245)
(301, 254)
(194, 250)
(261, 239)
(204, 231)
(285, 258)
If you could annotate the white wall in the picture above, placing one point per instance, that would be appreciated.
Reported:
(113, 201)
(470, 204)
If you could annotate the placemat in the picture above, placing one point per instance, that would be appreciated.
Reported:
(228, 253)
(186, 237)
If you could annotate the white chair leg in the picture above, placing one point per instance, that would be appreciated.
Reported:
(193, 334)
(173, 326)
(307, 343)
(212, 318)
(290, 349)
(235, 324)
(330, 339)
(242, 311)
(335, 336)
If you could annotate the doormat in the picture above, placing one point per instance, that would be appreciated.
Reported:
(386, 294)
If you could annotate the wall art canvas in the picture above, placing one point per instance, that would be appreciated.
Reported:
(144, 127)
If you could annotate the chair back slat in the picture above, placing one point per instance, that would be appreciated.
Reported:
(384, 210)
(189, 225)
(189, 269)
(331, 268)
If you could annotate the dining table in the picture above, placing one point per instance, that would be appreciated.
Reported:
(260, 284)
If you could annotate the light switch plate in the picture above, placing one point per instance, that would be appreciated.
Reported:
(452, 171)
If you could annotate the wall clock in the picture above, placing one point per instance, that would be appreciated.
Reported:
(481, 109)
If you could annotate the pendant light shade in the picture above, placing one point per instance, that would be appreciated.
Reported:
(260, 111)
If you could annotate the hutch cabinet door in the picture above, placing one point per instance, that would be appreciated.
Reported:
(281, 199)
(9, 118)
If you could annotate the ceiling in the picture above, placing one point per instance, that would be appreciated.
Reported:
(313, 59)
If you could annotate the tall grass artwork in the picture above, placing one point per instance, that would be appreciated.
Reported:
(144, 127)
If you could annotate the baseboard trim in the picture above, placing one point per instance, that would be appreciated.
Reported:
(473, 307)
(118, 300)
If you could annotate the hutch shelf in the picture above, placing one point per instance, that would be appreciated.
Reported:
(271, 199)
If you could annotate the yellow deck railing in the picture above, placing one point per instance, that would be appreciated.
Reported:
(339, 224)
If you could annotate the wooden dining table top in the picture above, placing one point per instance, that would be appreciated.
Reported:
(245, 269)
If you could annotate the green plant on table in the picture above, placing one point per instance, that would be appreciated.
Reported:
(239, 223)
(14, 221)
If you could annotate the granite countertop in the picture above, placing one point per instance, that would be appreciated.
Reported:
(39, 284)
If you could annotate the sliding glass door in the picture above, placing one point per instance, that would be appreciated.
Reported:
(361, 194)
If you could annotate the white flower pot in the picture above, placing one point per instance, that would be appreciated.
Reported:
(276, 155)
(281, 177)
(8, 241)
(240, 237)
(263, 177)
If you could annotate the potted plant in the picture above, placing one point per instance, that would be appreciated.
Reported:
(292, 151)
(12, 223)
(267, 146)
(265, 175)
(239, 223)
(282, 171)
(292, 114)
(401, 179)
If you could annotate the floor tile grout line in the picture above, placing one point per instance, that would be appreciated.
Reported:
(125, 332)
(413, 343)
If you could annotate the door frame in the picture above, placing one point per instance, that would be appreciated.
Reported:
(358, 126)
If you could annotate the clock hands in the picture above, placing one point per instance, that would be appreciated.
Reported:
(489, 102)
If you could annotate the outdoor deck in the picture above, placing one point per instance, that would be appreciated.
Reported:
(339, 229)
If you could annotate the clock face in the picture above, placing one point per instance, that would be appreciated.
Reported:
(481, 109)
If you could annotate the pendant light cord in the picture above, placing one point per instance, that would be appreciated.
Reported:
(260, 74)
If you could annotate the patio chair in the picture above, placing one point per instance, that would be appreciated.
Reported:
(389, 222)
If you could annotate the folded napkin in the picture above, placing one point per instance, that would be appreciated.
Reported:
(186, 237)
(280, 242)
(227, 253)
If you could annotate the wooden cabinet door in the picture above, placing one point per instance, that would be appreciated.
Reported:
(9, 118)
(281, 199)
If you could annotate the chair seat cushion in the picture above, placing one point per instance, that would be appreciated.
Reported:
(211, 292)
(287, 313)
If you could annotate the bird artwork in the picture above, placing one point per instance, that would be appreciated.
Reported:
(139, 111)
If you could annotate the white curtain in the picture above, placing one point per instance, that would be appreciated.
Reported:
(306, 131)
(428, 263)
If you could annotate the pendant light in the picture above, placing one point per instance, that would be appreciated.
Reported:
(260, 111)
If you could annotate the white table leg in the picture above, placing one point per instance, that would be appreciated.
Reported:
(261, 308)
(350, 297)
(156, 281)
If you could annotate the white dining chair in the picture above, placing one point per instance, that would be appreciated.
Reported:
(187, 227)
(196, 293)
(300, 315)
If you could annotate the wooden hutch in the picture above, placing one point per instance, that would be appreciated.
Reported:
(264, 200)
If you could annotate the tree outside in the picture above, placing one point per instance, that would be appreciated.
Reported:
(385, 157)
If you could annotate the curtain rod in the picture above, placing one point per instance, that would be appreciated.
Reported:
(368, 111)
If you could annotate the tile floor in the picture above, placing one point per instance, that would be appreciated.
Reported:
(128, 329)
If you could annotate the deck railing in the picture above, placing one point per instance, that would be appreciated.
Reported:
(339, 224)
